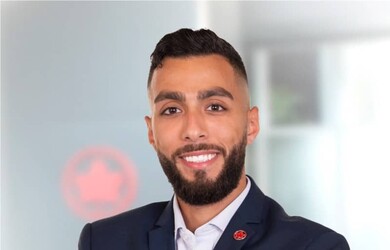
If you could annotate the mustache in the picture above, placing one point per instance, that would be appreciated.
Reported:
(198, 147)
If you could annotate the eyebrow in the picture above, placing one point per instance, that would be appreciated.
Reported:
(217, 91)
(202, 95)
(172, 95)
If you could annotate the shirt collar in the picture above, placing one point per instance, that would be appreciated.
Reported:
(221, 220)
(178, 217)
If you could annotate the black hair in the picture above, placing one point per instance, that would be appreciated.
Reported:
(187, 42)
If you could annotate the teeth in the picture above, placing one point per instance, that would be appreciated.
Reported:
(199, 158)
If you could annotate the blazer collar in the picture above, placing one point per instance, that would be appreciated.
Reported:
(250, 218)
(161, 237)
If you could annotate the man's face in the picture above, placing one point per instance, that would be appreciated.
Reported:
(200, 125)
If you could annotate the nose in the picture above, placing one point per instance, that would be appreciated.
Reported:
(194, 127)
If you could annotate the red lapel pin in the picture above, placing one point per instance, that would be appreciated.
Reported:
(239, 235)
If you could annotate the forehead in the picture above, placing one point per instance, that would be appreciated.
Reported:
(195, 73)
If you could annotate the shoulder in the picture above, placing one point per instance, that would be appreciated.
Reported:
(301, 232)
(278, 230)
(117, 230)
(147, 215)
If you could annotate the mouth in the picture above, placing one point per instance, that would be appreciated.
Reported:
(199, 159)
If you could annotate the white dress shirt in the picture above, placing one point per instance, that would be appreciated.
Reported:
(206, 236)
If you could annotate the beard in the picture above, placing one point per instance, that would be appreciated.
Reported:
(202, 190)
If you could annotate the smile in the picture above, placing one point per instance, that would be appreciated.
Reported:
(199, 158)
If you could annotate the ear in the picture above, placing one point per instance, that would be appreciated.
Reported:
(148, 121)
(253, 124)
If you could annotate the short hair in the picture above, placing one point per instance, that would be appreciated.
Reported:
(186, 42)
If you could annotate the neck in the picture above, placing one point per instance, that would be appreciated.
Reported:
(196, 216)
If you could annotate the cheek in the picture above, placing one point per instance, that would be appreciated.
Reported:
(160, 140)
(228, 132)
(164, 137)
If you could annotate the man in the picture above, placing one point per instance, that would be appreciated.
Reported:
(200, 125)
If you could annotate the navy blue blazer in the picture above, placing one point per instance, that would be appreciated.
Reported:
(265, 222)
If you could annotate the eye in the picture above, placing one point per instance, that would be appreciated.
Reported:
(215, 107)
(171, 111)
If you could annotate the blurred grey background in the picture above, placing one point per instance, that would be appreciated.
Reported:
(73, 76)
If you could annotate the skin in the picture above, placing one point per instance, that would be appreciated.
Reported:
(200, 99)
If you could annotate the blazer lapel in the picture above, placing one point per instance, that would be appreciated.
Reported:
(227, 240)
(249, 219)
(161, 237)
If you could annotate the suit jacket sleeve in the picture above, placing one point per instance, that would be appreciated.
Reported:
(85, 238)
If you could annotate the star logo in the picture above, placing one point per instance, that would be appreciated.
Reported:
(99, 182)
(239, 235)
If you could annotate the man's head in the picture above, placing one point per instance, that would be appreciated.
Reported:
(201, 120)
(186, 43)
